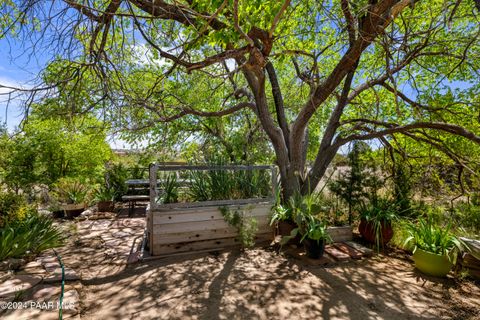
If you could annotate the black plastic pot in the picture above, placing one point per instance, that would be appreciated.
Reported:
(314, 249)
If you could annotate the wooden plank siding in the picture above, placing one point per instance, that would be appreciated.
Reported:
(204, 228)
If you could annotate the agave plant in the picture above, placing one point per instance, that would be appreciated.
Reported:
(72, 191)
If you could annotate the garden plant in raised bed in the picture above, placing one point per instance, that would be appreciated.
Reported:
(201, 207)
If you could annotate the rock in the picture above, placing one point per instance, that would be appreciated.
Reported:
(11, 264)
(87, 213)
(5, 275)
(18, 283)
(71, 302)
(45, 212)
(46, 293)
(33, 268)
(32, 265)
(51, 266)
(47, 259)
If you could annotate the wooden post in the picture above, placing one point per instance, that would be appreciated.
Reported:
(153, 185)
(274, 181)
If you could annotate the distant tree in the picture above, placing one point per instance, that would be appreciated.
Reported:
(360, 182)
(48, 149)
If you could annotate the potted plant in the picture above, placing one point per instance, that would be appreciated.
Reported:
(376, 222)
(282, 218)
(311, 230)
(314, 238)
(434, 247)
(73, 193)
(104, 197)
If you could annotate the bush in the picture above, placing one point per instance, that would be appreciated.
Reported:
(31, 235)
(12, 207)
(467, 216)
(115, 176)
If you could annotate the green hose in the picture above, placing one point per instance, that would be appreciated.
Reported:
(60, 309)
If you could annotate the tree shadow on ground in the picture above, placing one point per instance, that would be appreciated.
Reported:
(258, 284)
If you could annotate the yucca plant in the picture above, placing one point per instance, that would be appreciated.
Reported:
(170, 189)
(199, 186)
(434, 238)
(71, 191)
(222, 184)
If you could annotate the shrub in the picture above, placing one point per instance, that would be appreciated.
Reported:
(467, 216)
(31, 235)
(12, 207)
(116, 174)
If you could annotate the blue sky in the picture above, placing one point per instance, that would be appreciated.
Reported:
(17, 69)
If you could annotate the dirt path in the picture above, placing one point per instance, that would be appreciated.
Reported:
(257, 284)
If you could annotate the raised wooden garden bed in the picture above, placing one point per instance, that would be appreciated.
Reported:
(200, 226)
(340, 234)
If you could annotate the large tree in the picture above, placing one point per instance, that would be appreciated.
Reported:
(316, 74)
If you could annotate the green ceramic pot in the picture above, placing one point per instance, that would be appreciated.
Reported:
(432, 264)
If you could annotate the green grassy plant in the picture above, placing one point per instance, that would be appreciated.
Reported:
(246, 226)
(31, 235)
(170, 188)
(432, 237)
(379, 213)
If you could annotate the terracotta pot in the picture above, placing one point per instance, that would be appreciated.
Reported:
(314, 249)
(105, 206)
(284, 228)
(367, 230)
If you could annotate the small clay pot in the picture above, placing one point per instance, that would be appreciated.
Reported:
(284, 228)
